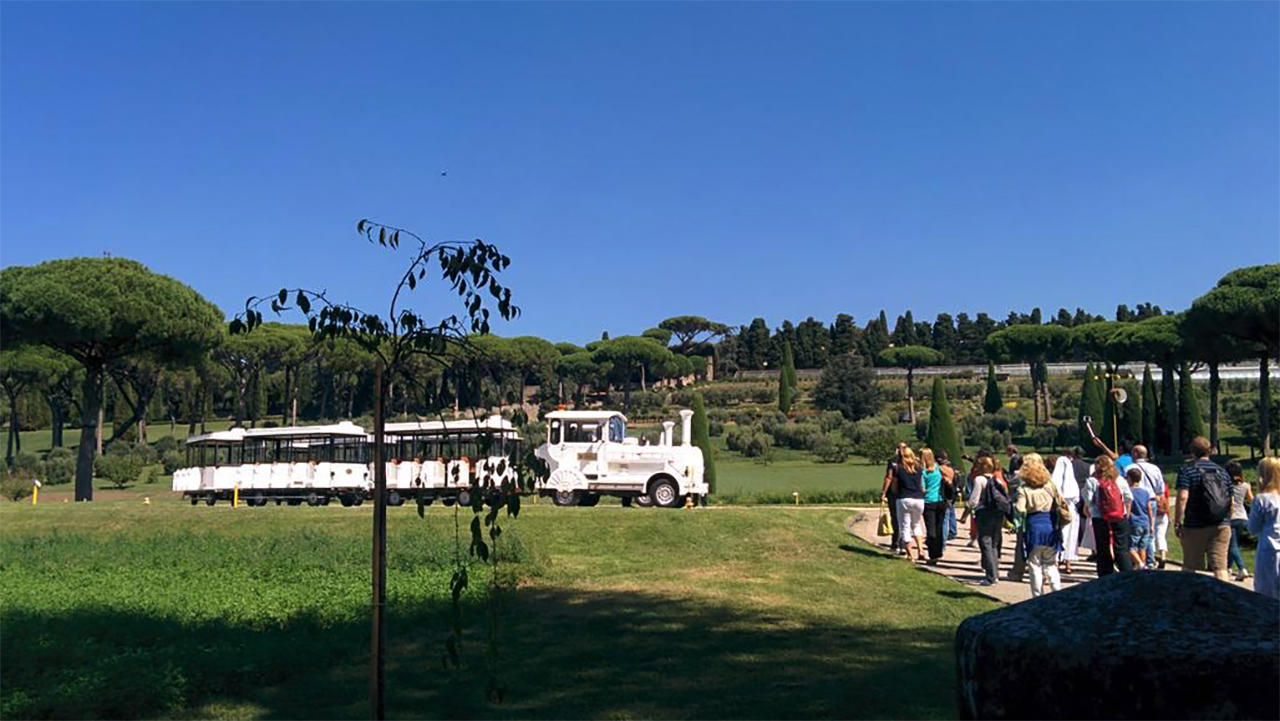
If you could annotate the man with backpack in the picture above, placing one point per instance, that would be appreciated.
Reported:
(1202, 518)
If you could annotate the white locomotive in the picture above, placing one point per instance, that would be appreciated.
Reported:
(317, 464)
(589, 456)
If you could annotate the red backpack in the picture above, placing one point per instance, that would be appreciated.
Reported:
(1110, 500)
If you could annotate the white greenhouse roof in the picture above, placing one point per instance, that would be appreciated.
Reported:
(584, 415)
(492, 423)
(237, 435)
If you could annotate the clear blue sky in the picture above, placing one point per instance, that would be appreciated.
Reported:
(645, 160)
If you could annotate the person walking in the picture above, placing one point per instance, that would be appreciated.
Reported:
(1264, 523)
(989, 498)
(1241, 498)
(1157, 544)
(1142, 515)
(1038, 502)
(889, 496)
(1202, 519)
(1109, 500)
(950, 492)
(935, 504)
(1082, 472)
(909, 489)
(1064, 479)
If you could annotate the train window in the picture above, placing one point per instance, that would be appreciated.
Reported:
(554, 433)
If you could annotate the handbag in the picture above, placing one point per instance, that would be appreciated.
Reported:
(1060, 513)
(886, 523)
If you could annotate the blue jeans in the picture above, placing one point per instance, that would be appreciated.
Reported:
(953, 531)
(1234, 557)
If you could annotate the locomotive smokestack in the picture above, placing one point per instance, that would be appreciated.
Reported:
(668, 433)
(686, 427)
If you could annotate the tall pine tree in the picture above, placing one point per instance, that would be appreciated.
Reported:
(1150, 410)
(786, 379)
(992, 401)
(1131, 414)
(942, 428)
(1091, 404)
(702, 439)
(1190, 420)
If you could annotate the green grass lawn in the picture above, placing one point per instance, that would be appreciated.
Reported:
(42, 440)
(123, 609)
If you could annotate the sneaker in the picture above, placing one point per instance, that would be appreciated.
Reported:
(986, 582)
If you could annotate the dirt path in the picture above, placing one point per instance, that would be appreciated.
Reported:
(962, 562)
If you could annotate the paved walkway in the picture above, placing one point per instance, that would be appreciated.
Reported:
(962, 563)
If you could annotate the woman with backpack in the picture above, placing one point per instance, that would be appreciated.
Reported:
(1045, 513)
(990, 499)
(1109, 500)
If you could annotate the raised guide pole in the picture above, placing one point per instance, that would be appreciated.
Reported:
(378, 690)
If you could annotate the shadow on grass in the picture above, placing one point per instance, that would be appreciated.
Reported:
(563, 654)
(868, 552)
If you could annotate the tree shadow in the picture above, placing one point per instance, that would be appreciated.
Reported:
(866, 551)
(562, 653)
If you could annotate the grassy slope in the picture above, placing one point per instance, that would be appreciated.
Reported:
(125, 609)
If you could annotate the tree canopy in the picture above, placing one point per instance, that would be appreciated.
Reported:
(692, 330)
(98, 310)
(848, 385)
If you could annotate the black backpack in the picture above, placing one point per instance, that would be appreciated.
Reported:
(1216, 487)
(996, 498)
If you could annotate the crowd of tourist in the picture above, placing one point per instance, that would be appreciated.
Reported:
(1118, 507)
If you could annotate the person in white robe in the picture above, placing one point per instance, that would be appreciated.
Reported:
(1064, 477)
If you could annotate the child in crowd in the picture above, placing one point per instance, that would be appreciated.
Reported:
(1142, 518)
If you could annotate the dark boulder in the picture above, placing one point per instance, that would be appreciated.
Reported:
(1145, 645)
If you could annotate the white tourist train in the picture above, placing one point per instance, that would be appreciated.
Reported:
(589, 455)
(316, 464)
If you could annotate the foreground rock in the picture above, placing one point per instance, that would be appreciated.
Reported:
(1132, 645)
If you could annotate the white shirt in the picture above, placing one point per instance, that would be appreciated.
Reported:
(1152, 477)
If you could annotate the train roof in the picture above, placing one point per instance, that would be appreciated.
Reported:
(239, 435)
(584, 415)
(492, 423)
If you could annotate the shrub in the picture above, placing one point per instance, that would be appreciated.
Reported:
(893, 393)
(1044, 437)
(750, 441)
(830, 421)
(146, 453)
(165, 444)
(877, 447)
(796, 436)
(1007, 420)
(715, 428)
(59, 467)
(831, 447)
(26, 463)
(988, 438)
(172, 461)
(15, 487)
(118, 469)
(1066, 435)
(922, 426)
(857, 431)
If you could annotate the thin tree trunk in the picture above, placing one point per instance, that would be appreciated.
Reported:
(13, 429)
(102, 423)
(1214, 384)
(379, 640)
(90, 431)
(911, 395)
(1264, 411)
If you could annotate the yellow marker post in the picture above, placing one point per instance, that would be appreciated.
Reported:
(796, 495)
(35, 491)
(235, 496)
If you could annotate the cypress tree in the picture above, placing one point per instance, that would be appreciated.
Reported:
(1150, 409)
(1110, 432)
(993, 401)
(1169, 411)
(1131, 414)
(786, 379)
(702, 439)
(1091, 404)
(1190, 421)
(942, 428)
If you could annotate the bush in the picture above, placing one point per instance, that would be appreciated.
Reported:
(1007, 420)
(992, 440)
(831, 447)
(15, 487)
(893, 393)
(59, 467)
(1044, 437)
(118, 469)
(922, 425)
(858, 431)
(750, 441)
(26, 463)
(1067, 435)
(172, 461)
(715, 428)
(830, 421)
(146, 453)
(877, 447)
(165, 444)
(796, 436)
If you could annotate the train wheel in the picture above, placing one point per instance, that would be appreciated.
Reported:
(294, 501)
(566, 498)
(645, 501)
(395, 499)
(313, 499)
(194, 500)
(357, 500)
(209, 501)
(257, 500)
(345, 500)
(589, 499)
(664, 493)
